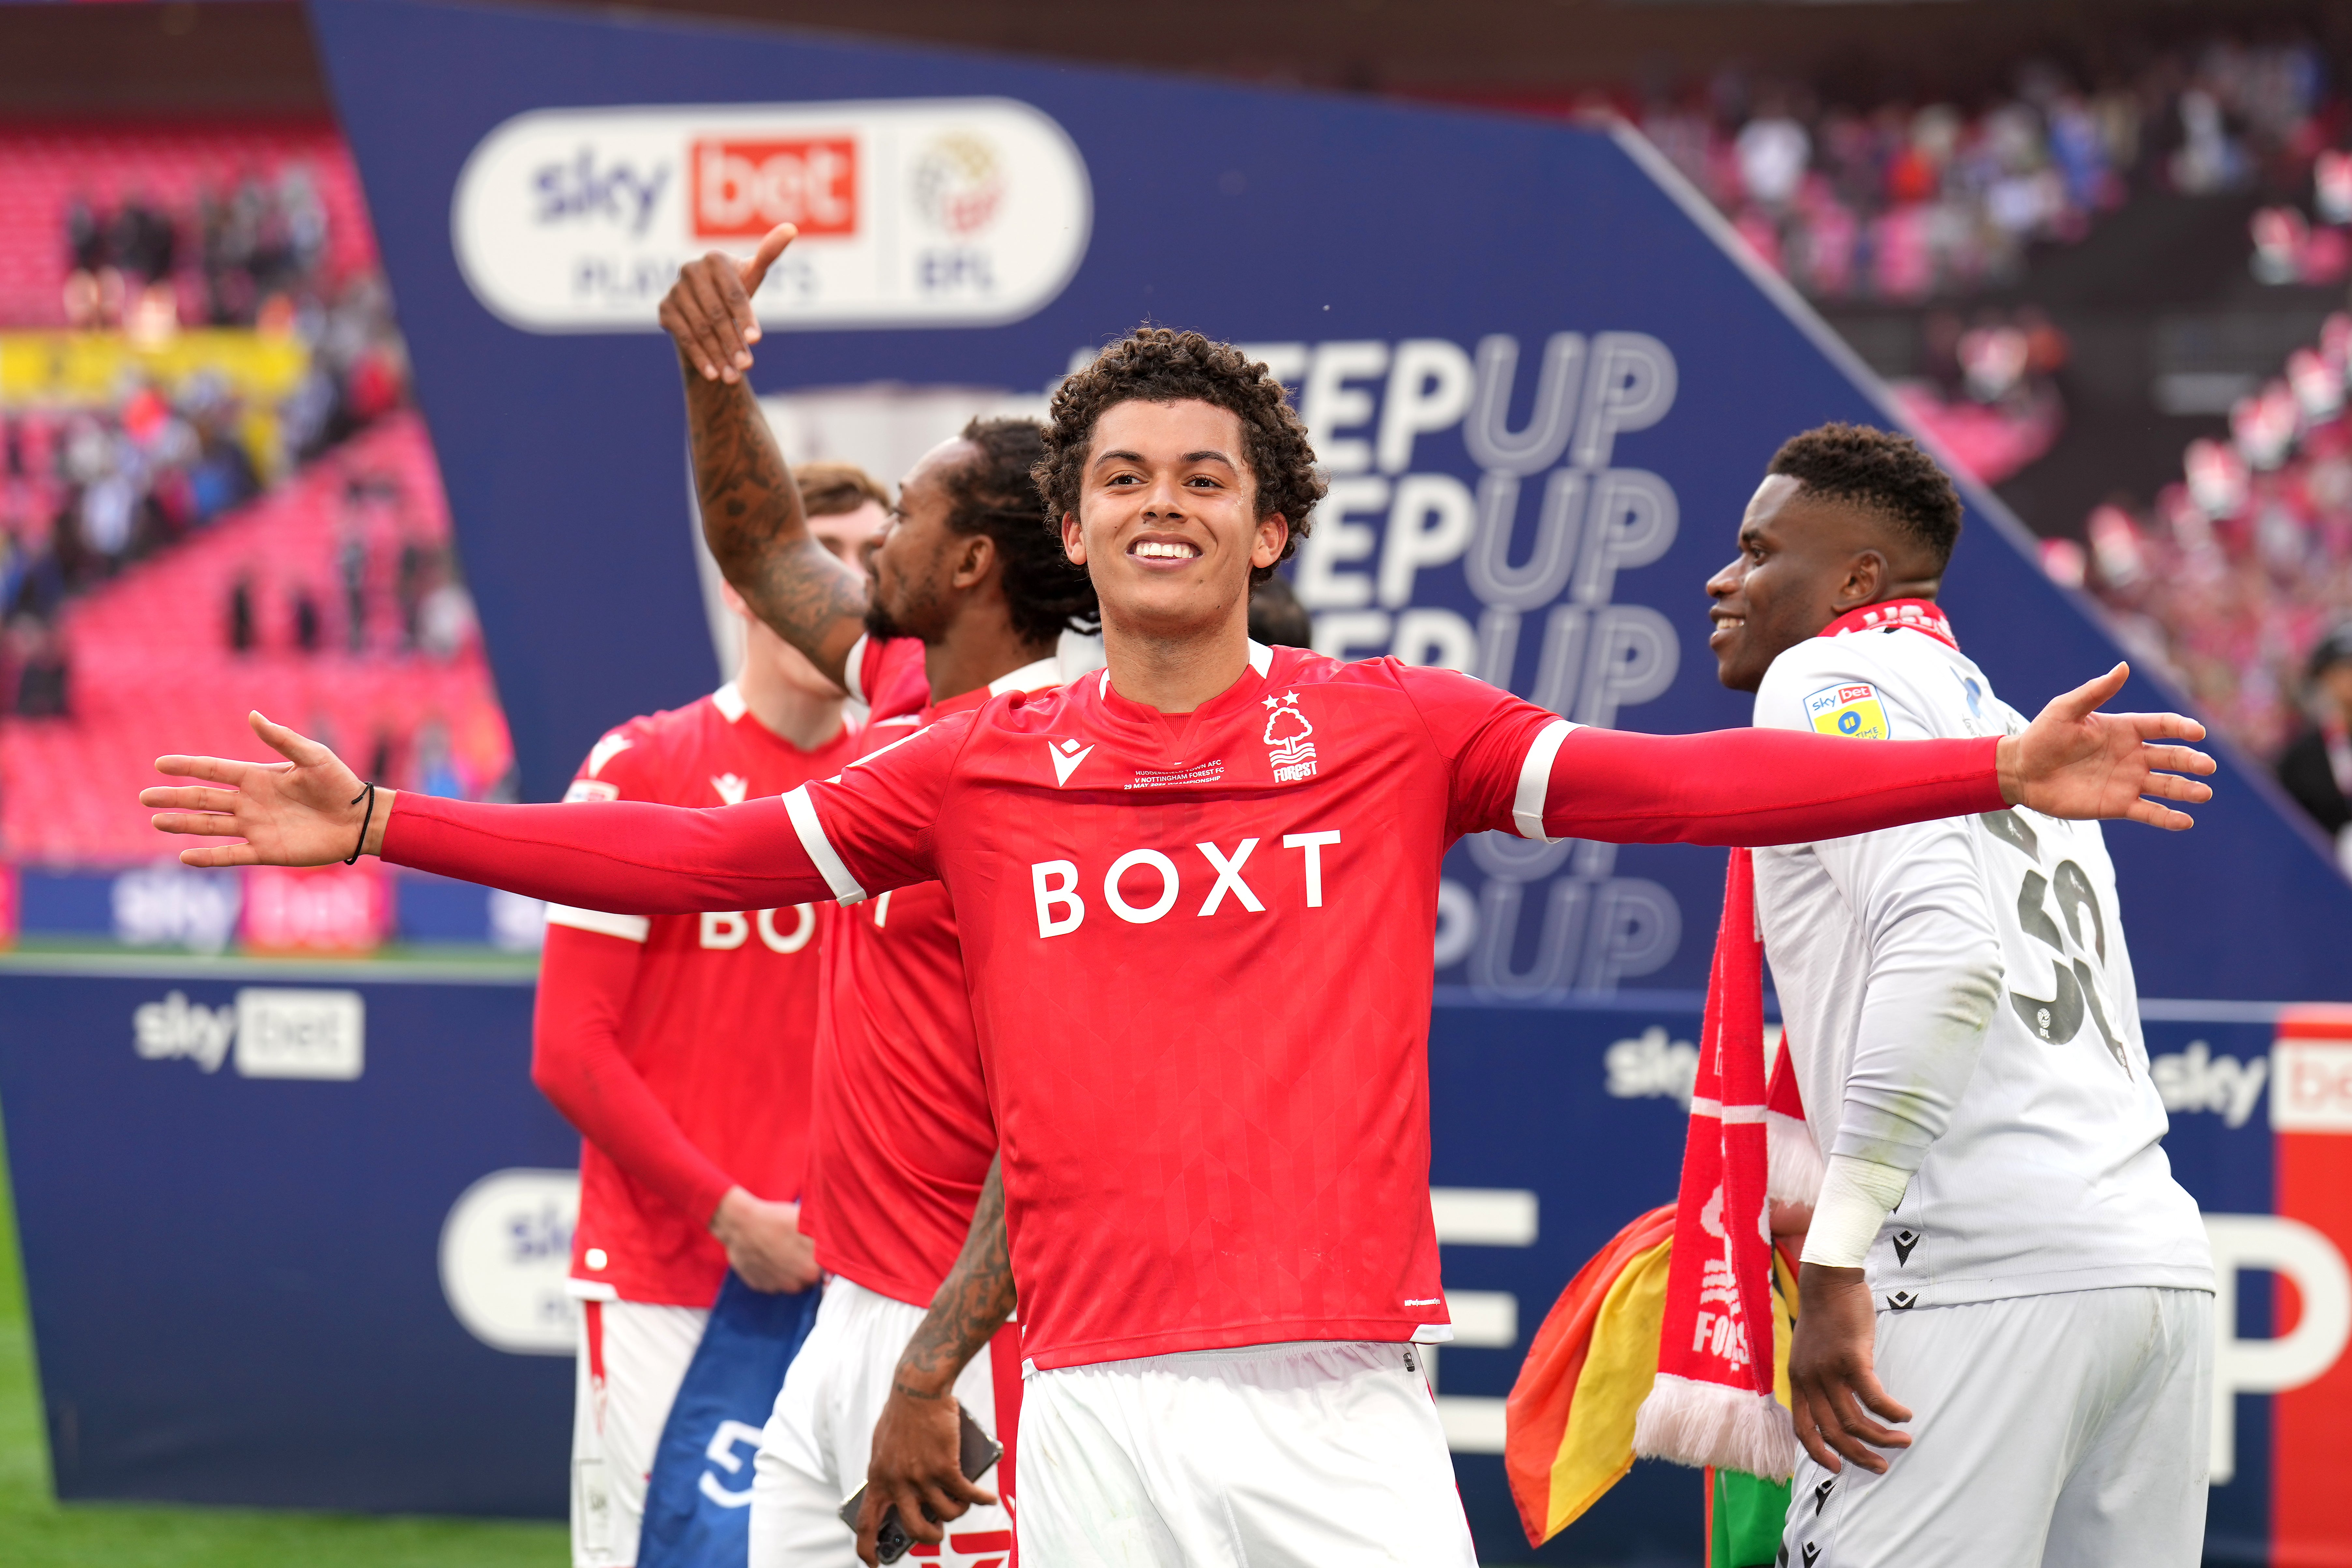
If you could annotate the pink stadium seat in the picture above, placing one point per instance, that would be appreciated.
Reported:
(42, 169)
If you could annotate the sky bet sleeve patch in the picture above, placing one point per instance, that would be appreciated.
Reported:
(1852, 710)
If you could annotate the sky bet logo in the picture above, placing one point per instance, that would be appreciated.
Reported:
(303, 1033)
(913, 211)
(742, 188)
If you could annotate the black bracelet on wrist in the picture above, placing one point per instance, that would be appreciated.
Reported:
(369, 796)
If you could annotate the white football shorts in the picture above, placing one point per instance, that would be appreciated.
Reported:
(817, 1442)
(1285, 1456)
(631, 1360)
(2065, 1431)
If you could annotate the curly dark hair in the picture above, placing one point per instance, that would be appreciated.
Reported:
(1881, 472)
(996, 494)
(1159, 365)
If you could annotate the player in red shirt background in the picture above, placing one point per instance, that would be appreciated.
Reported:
(1195, 896)
(903, 1142)
(680, 1047)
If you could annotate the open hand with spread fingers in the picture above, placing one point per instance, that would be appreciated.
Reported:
(708, 310)
(2076, 762)
(308, 810)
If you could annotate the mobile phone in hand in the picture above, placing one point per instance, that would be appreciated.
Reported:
(980, 1452)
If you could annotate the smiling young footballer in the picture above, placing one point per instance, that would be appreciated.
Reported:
(1195, 895)
(1997, 1243)
(903, 1143)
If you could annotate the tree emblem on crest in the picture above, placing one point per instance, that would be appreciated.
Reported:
(1286, 728)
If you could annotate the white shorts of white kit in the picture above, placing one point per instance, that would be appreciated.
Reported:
(814, 1451)
(631, 1360)
(1322, 1455)
(2065, 1431)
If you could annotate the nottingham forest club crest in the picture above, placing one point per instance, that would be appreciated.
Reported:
(1286, 745)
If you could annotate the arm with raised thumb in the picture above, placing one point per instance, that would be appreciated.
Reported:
(752, 513)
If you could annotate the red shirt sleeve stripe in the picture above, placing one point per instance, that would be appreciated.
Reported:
(624, 857)
(1751, 787)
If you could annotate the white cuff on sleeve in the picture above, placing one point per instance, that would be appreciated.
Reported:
(1856, 1197)
(827, 860)
(1535, 780)
(628, 928)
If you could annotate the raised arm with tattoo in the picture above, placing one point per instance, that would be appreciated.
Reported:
(751, 514)
(918, 1445)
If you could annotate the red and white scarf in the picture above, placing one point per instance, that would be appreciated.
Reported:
(1712, 1403)
(1920, 615)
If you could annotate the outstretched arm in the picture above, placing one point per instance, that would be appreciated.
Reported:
(918, 1446)
(752, 513)
(1765, 786)
(627, 856)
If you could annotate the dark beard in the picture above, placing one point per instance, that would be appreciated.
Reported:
(921, 620)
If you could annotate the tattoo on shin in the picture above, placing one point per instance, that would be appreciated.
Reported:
(751, 518)
(971, 1306)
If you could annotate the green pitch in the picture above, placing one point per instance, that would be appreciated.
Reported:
(38, 1533)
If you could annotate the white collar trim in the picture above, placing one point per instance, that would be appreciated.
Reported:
(729, 701)
(1261, 658)
(1036, 677)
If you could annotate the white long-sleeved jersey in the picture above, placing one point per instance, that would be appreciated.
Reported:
(1959, 1004)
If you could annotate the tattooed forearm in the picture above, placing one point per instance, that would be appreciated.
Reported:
(970, 1305)
(751, 518)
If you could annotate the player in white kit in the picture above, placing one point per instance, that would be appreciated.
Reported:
(1999, 1259)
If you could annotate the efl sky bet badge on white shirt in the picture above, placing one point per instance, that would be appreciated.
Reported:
(1852, 711)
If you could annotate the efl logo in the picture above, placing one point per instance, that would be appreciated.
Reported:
(743, 189)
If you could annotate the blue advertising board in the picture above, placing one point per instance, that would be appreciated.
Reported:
(296, 1236)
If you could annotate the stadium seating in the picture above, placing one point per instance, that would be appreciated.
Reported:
(2245, 562)
(1902, 201)
(152, 670)
(44, 168)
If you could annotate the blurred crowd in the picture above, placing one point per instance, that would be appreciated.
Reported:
(1907, 201)
(2243, 567)
(398, 595)
(225, 262)
(398, 588)
(1987, 389)
(88, 490)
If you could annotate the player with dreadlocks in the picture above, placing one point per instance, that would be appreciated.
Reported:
(903, 1145)
(1195, 895)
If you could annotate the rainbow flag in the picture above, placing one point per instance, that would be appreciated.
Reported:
(1569, 1435)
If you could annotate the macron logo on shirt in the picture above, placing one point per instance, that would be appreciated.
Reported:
(1067, 755)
